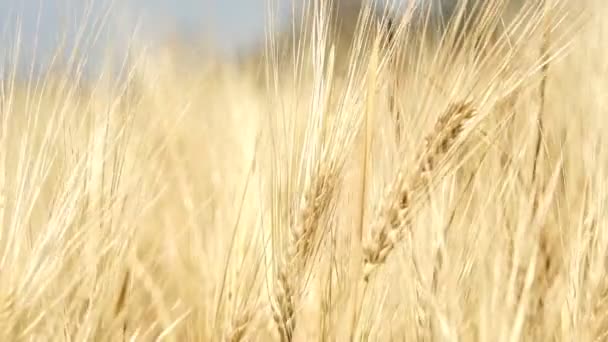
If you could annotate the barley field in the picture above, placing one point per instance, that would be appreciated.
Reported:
(423, 178)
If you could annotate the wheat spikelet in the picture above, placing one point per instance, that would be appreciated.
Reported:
(239, 326)
(283, 308)
(393, 217)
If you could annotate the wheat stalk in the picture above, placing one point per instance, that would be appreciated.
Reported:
(122, 300)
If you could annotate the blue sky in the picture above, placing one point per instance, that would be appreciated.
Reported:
(231, 23)
(232, 20)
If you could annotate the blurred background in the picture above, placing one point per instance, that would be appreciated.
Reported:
(95, 29)
(43, 27)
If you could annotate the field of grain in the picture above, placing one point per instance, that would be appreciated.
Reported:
(399, 185)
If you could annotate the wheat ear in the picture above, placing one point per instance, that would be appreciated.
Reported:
(393, 216)
(315, 203)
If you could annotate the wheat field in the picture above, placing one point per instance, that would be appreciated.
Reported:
(402, 182)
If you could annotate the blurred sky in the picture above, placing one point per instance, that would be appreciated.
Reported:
(231, 24)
